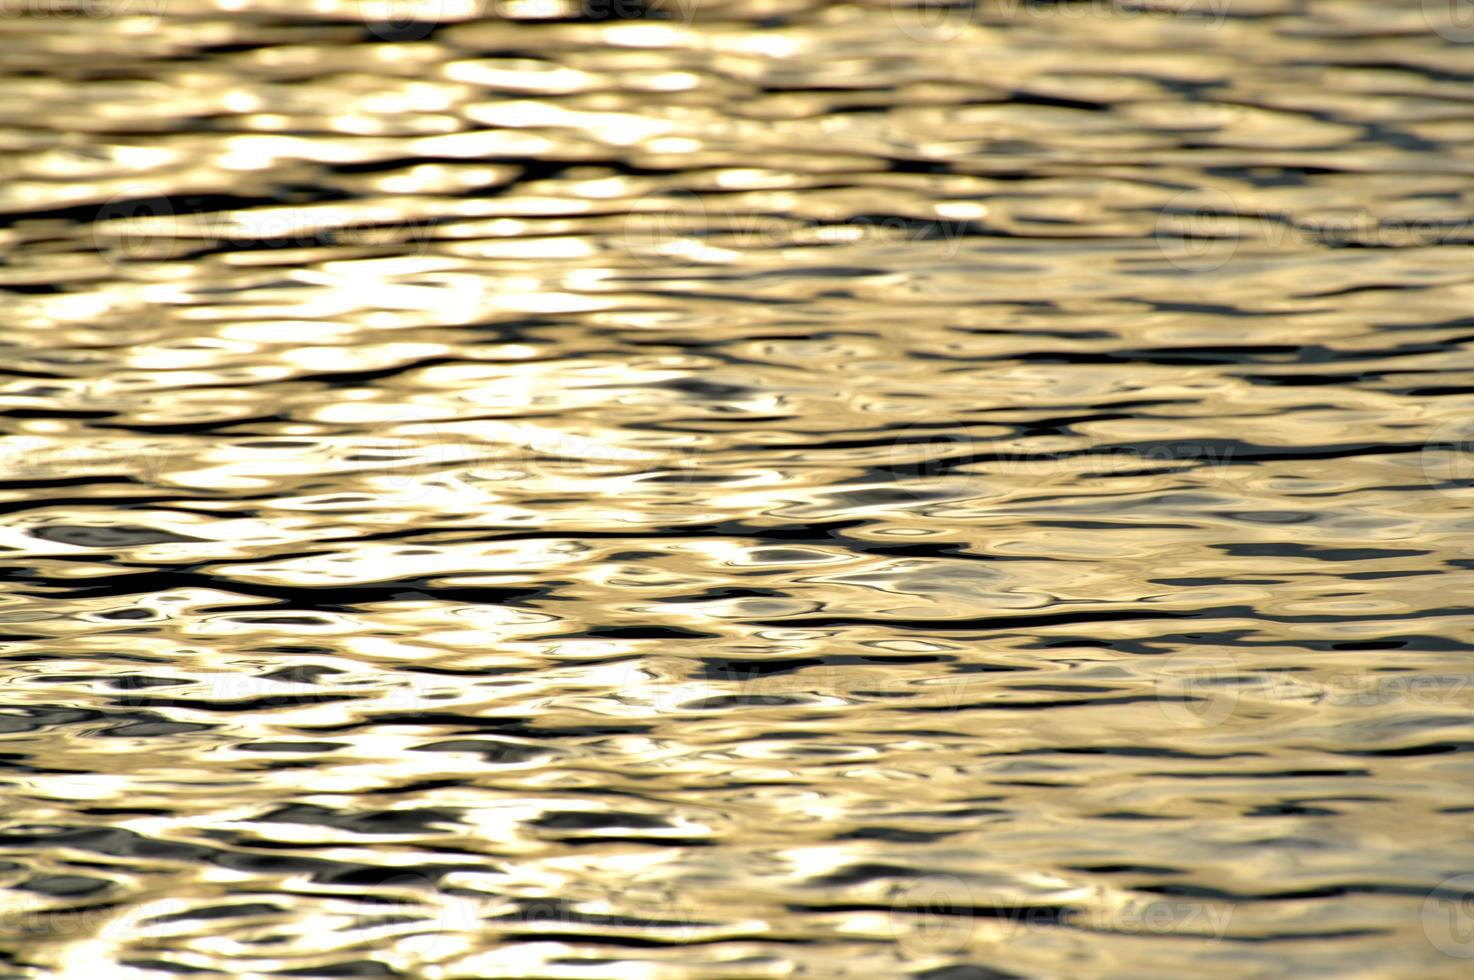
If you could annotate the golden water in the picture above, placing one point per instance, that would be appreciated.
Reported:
(747, 489)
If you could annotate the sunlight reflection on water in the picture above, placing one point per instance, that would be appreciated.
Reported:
(495, 488)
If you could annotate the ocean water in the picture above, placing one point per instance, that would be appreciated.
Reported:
(723, 490)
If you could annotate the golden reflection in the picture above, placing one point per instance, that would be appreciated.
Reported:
(680, 489)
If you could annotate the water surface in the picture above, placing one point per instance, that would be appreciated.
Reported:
(736, 490)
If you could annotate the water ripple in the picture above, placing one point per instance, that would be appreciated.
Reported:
(685, 489)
